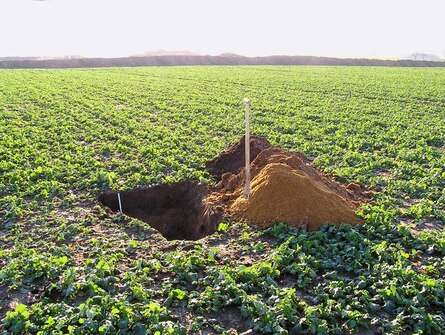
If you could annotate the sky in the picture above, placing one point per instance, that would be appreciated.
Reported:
(114, 28)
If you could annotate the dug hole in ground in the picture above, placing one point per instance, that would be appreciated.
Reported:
(284, 188)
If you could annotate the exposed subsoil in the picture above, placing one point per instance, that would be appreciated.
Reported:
(232, 159)
(284, 188)
(177, 211)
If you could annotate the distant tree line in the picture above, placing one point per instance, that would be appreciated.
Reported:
(182, 60)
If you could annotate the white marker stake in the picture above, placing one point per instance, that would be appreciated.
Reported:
(247, 150)
(119, 200)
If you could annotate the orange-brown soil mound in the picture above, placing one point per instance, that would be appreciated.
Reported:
(280, 193)
(284, 188)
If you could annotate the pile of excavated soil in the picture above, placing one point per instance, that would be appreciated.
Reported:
(232, 159)
(280, 193)
(284, 188)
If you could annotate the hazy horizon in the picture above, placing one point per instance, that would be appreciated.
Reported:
(342, 28)
(151, 53)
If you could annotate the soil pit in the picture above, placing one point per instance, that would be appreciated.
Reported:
(177, 211)
(284, 188)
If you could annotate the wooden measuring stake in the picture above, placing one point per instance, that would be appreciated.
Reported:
(247, 150)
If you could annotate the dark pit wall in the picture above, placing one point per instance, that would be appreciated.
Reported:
(177, 210)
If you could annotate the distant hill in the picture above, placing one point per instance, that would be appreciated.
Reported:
(167, 53)
(423, 56)
(229, 54)
(7, 59)
(181, 60)
(16, 58)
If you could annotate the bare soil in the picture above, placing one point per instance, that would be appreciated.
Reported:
(285, 188)
(232, 159)
(177, 211)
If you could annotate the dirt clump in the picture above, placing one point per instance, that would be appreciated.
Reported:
(286, 188)
(177, 210)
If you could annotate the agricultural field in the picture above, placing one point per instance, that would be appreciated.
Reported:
(70, 266)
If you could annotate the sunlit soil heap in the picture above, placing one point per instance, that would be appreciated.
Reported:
(284, 188)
